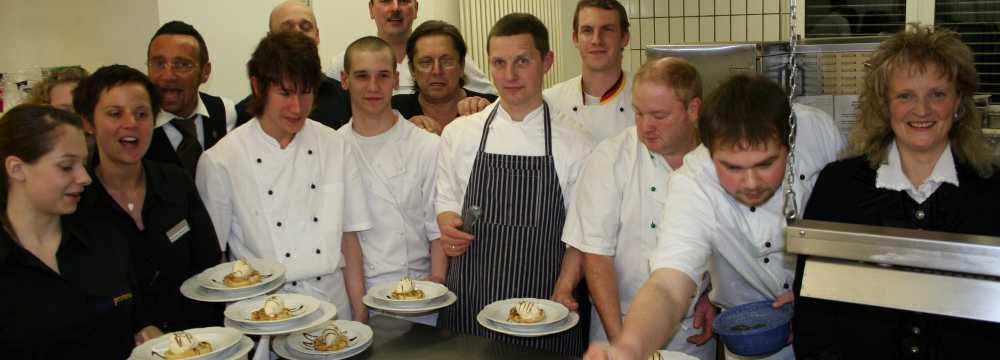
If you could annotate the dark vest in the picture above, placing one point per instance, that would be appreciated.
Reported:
(160, 148)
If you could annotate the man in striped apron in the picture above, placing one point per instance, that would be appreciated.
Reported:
(519, 172)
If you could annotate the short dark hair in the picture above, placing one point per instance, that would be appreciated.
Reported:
(602, 4)
(29, 132)
(522, 23)
(285, 55)
(746, 111)
(88, 93)
(182, 28)
(368, 43)
(432, 28)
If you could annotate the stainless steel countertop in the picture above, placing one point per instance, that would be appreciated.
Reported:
(399, 339)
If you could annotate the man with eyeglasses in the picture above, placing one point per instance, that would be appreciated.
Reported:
(436, 52)
(191, 121)
(394, 20)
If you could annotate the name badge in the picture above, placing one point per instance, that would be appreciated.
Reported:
(178, 230)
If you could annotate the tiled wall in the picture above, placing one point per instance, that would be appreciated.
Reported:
(670, 22)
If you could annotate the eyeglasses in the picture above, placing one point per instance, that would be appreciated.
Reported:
(179, 66)
(427, 64)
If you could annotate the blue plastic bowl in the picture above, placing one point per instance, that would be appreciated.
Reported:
(754, 329)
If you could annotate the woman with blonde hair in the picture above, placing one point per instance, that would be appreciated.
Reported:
(57, 88)
(917, 159)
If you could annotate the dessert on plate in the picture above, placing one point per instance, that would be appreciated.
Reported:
(243, 275)
(182, 346)
(274, 309)
(526, 312)
(406, 290)
(331, 339)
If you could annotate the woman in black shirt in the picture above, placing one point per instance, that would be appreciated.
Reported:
(916, 159)
(68, 286)
(436, 51)
(155, 205)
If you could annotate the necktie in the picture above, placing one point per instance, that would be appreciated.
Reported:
(189, 149)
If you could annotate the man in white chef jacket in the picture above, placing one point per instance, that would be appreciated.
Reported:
(724, 213)
(394, 20)
(618, 200)
(600, 97)
(397, 162)
(286, 188)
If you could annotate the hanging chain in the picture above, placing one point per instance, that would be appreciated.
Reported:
(791, 207)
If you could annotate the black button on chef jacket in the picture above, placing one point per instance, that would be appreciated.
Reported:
(177, 243)
(89, 310)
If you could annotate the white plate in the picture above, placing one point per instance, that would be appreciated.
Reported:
(212, 277)
(222, 339)
(432, 291)
(498, 311)
(193, 290)
(326, 312)
(243, 310)
(674, 355)
(360, 333)
(442, 302)
(568, 323)
(281, 347)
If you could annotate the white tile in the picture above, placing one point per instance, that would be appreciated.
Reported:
(646, 8)
(772, 7)
(722, 7)
(637, 56)
(707, 31)
(707, 8)
(755, 28)
(691, 28)
(784, 27)
(754, 6)
(661, 8)
(676, 8)
(691, 7)
(642, 59)
(738, 7)
(635, 33)
(662, 31)
(676, 30)
(738, 28)
(633, 8)
(722, 32)
(772, 27)
(649, 32)
(627, 60)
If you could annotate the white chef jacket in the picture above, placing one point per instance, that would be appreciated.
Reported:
(400, 185)
(460, 143)
(475, 79)
(175, 137)
(704, 228)
(890, 175)
(291, 205)
(602, 121)
(614, 211)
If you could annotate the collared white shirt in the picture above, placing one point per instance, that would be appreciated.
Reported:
(475, 79)
(200, 113)
(890, 175)
(602, 121)
(705, 228)
(615, 210)
(460, 143)
(399, 182)
(291, 205)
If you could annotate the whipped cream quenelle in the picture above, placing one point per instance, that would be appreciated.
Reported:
(405, 286)
(528, 311)
(273, 306)
(242, 269)
(332, 334)
(181, 342)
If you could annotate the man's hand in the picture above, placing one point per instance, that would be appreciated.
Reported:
(786, 298)
(436, 279)
(360, 316)
(427, 123)
(146, 334)
(566, 298)
(704, 316)
(454, 241)
(609, 352)
(472, 105)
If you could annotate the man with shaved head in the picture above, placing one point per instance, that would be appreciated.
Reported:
(332, 105)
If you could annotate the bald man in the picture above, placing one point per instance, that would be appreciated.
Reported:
(333, 104)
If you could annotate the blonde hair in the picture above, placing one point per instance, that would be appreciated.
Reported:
(40, 94)
(920, 46)
(673, 72)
